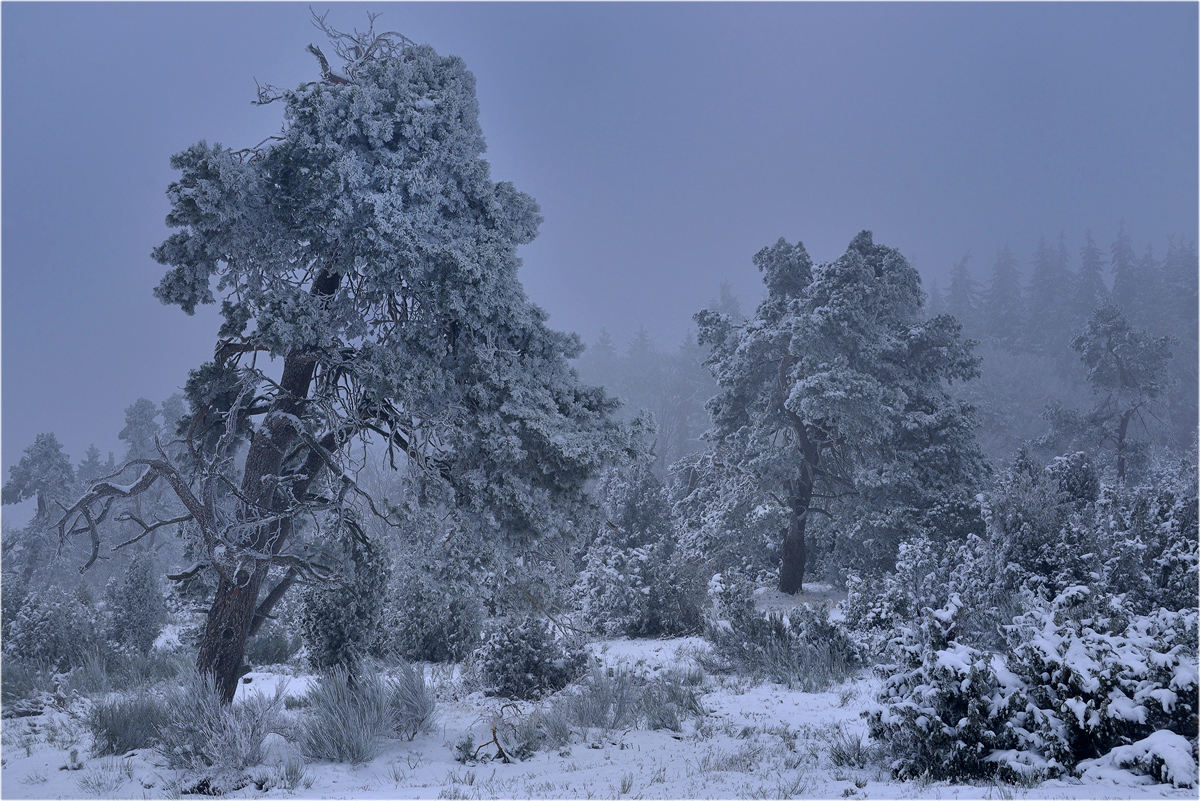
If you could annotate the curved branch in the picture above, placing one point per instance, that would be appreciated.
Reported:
(146, 528)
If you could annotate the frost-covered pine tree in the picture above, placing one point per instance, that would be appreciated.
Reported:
(835, 388)
(1128, 371)
(44, 472)
(368, 251)
(136, 605)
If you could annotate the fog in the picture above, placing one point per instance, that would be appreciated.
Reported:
(665, 144)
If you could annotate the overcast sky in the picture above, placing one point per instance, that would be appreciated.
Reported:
(665, 143)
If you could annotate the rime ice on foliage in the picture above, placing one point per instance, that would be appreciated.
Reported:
(366, 247)
(634, 581)
(835, 388)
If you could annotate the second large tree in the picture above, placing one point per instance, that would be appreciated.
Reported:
(834, 394)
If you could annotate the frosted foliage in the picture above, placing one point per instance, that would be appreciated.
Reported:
(634, 581)
(836, 386)
(522, 658)
(136, 605)
(1074, 687)
(341, 622)
(54, 628)
(368, 245)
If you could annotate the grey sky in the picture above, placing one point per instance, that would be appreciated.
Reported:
(666, 143)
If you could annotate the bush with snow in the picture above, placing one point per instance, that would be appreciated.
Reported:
(1164, 755)
(1101, 679)
(433, 612)
(54, 628)
(634, 581)
(272, 645)
(136, 606)
(348, 717)
(521, 658)
(216, 743)
(801, 648)
(340, 622)
(946, 709)
(1079, 680)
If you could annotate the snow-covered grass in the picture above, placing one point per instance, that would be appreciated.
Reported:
(756, 740)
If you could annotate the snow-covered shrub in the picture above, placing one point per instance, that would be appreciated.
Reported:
(1151, 540)
(348, 717)
(413, 705)
(521, 658)
(1080, 679)
(13, 589)
(53, 627)
(216, 742)
(640, 591)
(433, 612)
(1100, 678)
(800, 648)
(668, 700)
(605, 699)
(123, 724)
(619, 698)
(135, 605)
(945, 710)
(25, 687)
(634, 581)
(340, 622)
(1164, 755)
(1041, 525)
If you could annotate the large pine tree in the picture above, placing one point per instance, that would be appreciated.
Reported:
(835, 389)
(367, 250)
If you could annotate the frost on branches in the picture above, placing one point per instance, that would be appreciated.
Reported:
(366, 248)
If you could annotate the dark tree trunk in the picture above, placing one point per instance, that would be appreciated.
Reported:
(1121, 432)
(795, 553)
(223, 645)
(795, 547)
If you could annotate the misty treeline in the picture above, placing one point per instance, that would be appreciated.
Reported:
(1000, 477)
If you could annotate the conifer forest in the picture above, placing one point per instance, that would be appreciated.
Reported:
(863, 525)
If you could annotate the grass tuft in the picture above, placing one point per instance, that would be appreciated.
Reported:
(122, 725)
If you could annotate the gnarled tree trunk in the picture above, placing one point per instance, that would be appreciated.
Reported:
(223, 645)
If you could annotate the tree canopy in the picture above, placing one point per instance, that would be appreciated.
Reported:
(367, 248)
(834, 389)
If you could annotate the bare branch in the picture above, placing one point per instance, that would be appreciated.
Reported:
(146, 528)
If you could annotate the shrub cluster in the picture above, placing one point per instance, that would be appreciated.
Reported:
(136, 607)
(801, 648)
(521, 658)
(433, 611)
(272, 645)
(1079, 680)
(54, 628)
(216, 742)
(340, 623)
(634, 581)
(123, 724)
(611, 699)
(349, 715)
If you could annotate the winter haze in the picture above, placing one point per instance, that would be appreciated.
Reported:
(665, 144)
(589, 400)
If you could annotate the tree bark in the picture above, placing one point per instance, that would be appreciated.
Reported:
(1122, 431)
(795, 546)
(791, 568)
(223, 645)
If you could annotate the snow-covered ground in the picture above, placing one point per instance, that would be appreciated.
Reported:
(759, 740)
